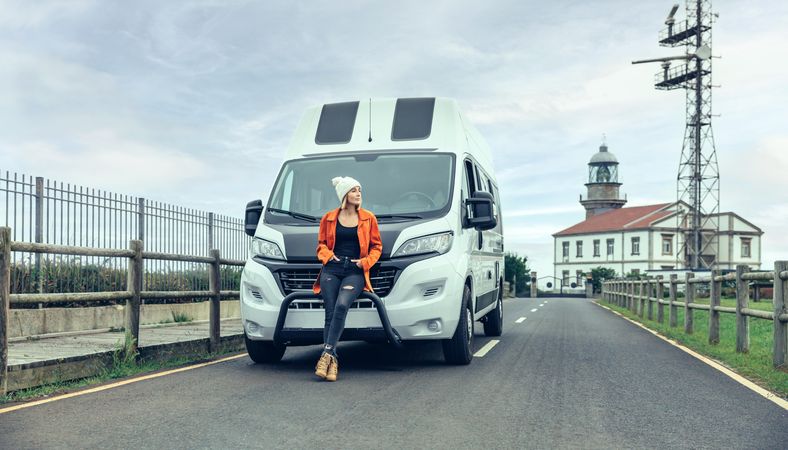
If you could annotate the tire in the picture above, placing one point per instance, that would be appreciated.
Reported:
(493, 325)
(263, 352)
(459, 349)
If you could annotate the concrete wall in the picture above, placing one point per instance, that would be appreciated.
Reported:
(31, 322)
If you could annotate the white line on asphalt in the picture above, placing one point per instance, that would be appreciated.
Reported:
(736, 377)
(487, 347)
(520, 320)
(119, 383)
(541, 304)
(533, 310)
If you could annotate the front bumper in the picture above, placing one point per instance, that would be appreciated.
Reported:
(424, 303)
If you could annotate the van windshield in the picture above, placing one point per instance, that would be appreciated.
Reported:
(394, 186)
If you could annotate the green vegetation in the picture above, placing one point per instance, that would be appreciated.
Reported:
(516, 267)
(598, 274)
(70, 274)
(180, 317)
(755, 365)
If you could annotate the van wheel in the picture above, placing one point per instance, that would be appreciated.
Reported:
(458, 350)
(493, 325)
(263, 352)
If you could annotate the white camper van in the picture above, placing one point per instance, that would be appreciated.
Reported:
(427, 175)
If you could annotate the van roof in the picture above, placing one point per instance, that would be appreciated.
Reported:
(385, 124)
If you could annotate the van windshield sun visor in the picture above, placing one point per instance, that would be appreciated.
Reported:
(336, 123)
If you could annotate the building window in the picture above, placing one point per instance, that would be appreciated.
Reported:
(745, 247)
(579, 277)
(666, 267)
(565, 277)
(635, 245)
(610, 247)
(566, 249)
(667, 244)
(596, 247)
(579, 249)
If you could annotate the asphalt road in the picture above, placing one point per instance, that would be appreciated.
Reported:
(571, 375)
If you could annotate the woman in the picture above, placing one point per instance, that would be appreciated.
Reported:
(348, 245)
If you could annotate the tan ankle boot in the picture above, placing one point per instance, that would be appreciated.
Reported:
(323, 363)
(333, 369)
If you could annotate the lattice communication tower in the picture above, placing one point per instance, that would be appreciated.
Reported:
(698, 181)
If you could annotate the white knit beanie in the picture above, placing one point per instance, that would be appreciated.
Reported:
(343, 185)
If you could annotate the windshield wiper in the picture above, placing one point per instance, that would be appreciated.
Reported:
(306, 217)
(398, 216)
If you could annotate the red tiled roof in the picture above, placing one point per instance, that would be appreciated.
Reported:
(619, 219)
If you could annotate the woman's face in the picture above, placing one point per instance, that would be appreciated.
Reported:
(354, 196)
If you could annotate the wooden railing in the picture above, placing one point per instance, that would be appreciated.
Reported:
(133, 295)
(640, 296)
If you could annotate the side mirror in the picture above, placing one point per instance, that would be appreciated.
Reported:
(254, 210)
(481, 211)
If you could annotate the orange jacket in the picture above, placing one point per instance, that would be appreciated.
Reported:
(368, 239)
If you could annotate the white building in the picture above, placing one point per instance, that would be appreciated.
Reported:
(640, 239)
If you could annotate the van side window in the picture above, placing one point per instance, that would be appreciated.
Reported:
(479, 182)
(469, 186)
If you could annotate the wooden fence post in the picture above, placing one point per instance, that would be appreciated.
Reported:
(660, 294)
(215, 285)
(5, 304)
(673, 311)
(630, 295)
(715, 288)
(643, 295)
(134, 283)
(689, 297)
(742, 301)
(649, 298)
(780, 328)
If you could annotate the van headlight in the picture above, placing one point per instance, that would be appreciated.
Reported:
(440, 243)
(265, 249)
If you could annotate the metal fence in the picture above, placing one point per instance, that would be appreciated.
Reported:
(40, 210)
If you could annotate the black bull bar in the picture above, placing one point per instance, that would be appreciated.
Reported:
(392, 335)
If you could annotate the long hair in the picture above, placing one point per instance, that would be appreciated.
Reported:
(344, 202)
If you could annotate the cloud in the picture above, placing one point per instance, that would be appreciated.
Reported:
(111, 162)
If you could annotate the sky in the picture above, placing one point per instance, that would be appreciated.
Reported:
(194, 102)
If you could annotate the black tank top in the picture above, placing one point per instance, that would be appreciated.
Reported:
(347, 241)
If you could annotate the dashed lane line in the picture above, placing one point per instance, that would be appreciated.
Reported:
(487, 347)
(735, 376)
(533, 310)
(520, 320)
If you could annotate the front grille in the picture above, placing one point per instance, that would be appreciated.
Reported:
(318, 304)
(301, 280)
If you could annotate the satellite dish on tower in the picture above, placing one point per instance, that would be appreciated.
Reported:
(703, 52)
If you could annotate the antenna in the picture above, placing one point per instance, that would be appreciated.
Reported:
(370, 119)
(698, 180)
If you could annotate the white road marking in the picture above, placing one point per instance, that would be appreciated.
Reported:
(487, 347)
(533, 310)
(736, 377)
(119, 383)
(520, 320)
(541, 304)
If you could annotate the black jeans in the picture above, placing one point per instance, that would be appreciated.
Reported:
(341, 282)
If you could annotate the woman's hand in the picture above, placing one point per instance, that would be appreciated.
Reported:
(358, 263)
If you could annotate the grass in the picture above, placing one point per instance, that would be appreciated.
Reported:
(124, 364)
(755, 365)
